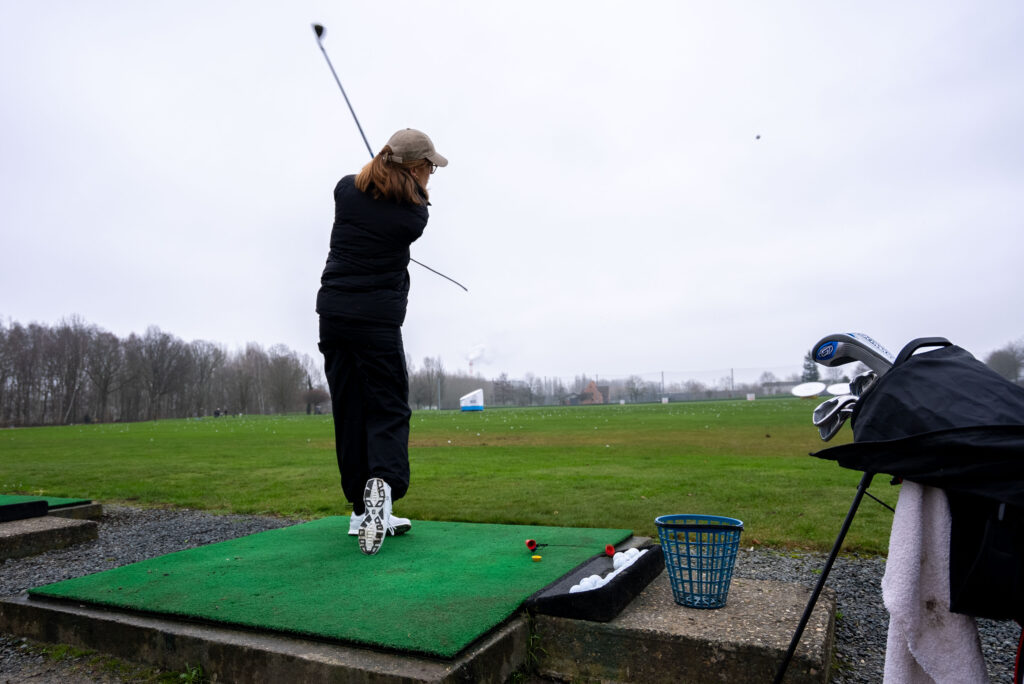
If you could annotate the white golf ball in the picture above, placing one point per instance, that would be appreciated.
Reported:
(618, 559)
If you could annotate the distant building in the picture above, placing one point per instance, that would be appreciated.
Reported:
(594, 394)
(591, 394)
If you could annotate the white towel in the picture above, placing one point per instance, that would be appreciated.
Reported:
(926, 644)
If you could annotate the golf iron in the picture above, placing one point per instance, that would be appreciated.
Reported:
(860, 384)
(827, 409)
(828, 428)
(319, 30)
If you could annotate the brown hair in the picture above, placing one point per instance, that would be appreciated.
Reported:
(391, 180)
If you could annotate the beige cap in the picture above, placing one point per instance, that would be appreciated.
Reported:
(409, 145)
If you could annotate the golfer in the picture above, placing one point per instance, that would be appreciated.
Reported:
(364, 292)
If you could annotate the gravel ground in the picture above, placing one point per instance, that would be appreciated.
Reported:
(862, 627)
(128, 535)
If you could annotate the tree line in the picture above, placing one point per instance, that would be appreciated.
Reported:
(73, 372)
(432, 386)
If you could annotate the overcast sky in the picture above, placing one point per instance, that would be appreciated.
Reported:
(633, 187)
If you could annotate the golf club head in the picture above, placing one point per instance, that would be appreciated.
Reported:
(860, 384)
(838, 388)
(828, 408)
(318, 29)
(808, 389)
(829, 428)
(843, 348)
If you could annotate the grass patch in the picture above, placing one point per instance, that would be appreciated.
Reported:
(91, 664)
(593, 466)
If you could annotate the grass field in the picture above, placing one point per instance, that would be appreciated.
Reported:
(592, 466)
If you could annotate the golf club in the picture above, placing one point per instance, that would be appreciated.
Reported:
(838, 388)
(828, 429)
(319, 30)
(808, 389)
(860, 384)
(830, 407)
(843, 348)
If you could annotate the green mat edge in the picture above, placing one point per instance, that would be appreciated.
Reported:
(51, 501)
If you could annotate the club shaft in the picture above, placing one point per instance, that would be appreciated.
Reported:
(347, 102)
(439, 273)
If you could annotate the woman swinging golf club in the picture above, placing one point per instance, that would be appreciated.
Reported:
(362, 303)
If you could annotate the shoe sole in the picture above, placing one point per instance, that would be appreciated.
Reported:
(399, 530)
(373, 530)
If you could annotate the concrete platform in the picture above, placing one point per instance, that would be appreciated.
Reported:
(241, 656)
(87, 511)
(653, 640)
(20, 538)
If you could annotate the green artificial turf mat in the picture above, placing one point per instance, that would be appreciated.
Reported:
(51, 501)
(433, 591)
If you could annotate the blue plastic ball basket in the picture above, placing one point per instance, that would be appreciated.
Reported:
(700, 552)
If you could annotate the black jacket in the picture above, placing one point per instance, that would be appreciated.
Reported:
(366, 276)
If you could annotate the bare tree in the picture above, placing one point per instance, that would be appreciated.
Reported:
(69, 350)
(165, 361)
(634, 388)
(557, 390)
(27, 345)
(6, 373)
(502, 390)
(1008, 361)
(422, 389)
(247, 377)
(207, 360)
(285, 380)
(132, 403)
(105, 366)
(434, 377)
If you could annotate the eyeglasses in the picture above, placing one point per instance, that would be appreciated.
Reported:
(433, 167)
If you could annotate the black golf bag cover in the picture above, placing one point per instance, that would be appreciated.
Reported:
(944, 419)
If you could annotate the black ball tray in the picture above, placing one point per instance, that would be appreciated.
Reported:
(604, 603)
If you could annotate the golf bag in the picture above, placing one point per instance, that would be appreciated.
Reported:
(944, 419)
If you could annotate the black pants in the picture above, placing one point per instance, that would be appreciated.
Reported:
(366, 374)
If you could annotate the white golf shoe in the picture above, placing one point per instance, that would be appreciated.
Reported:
(377, 521)
(398, 525)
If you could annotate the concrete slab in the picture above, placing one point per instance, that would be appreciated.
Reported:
(654, 640)
(87, 511)
(242, 656)
(20, 538)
